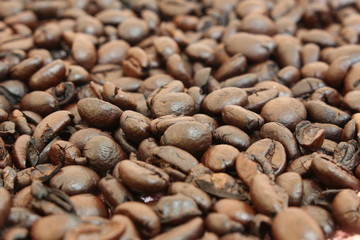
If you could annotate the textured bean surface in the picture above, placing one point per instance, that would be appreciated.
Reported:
(179, 119)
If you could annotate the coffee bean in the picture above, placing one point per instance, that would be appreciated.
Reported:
(64, 180)
(48, 76)
(176, 209)
(98, 112)
(142, 177)
(285, 110)
(345, 207)
(193, 137)
(142, 215)
(217, 100)
(102, 153)
(272, 200)
(290, 219)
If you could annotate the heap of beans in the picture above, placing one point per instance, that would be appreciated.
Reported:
(175, 119)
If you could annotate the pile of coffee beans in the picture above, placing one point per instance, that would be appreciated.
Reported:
(179, 119)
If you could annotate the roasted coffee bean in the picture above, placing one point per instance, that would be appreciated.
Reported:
(272, 200)
(40, 102)
(48, 76)
(201, 198)
(217, 100)
(63, 152)
(285, 110)
(254, 47)
(142, 177)
(193, 137)
(321, 112)
(84, 52)
(99, 113)
(241, 118)
(88, 205)
(291, 182)
(178, 119)
(5, 206)
(192, 229)
(54, 229)
(345, 208)
(221, 224)
(309, 136)
(282, 134)
(142, 215)
(233, 136)
(322, 217)
(114, 192)
(237, 210)
(75, 179)
(176, 209)
(290, 220)
(173, 104)
(332, 175)
(270, 155)
(102, 153)
(220, 157)
(175, 157)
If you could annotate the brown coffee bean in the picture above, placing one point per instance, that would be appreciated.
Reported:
(54, 229)
(332, 175)
(233, 66)
(142, 215)
(201, 198)
(102, 153)
(290, 220)
(270, 155)
(309, 136)
(166, 46)
(215, 101)
(237, 210)
(133, 30)
(345, 208)
(130, 231)
(88, 205)
(5, 206)
(135, 125)
(75, 179)
(322, 217)
(351, 100)
(63, 152)
(80, 138)
(285, 110)
(193, 137)
(254, 47)
(221, 224)
(84, 52)
(40, 102)
(321, 112)
(47, 35)
(240, 117)
(272, 199)
(142, 177)
(113, 52)
(89, 25)
(175, 157)
(173, 103)
(192, 229)
(113, 191)
(176, 209)
(48, 76)
(26, 68)
(99, 113)
(233, 136)
(291, 182)
(220, 157)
